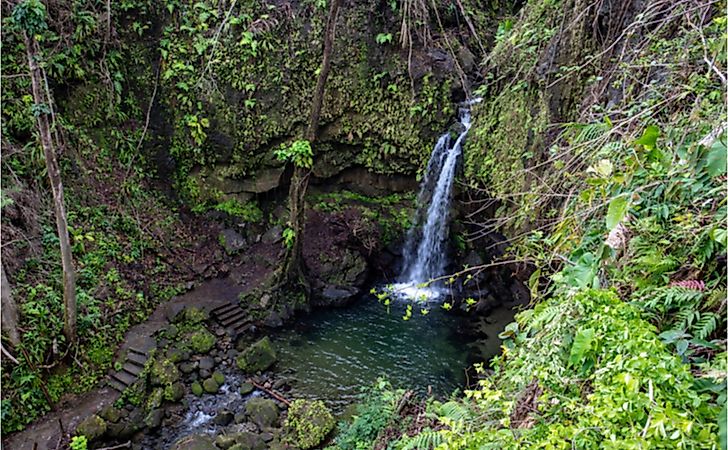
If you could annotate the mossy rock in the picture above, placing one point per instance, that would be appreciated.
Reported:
(110, 414)
(219, 378)
(194, 442)
(202, 341)
(197, 388)
(174, 392)
(177, 355)
(262, 412)
(93, 427)
(164, 372)
(258, 357)
(210, 386)
(248, 441)
(308, 423)
(246, 388)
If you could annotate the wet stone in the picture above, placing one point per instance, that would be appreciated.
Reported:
(210, 386)
(246, 388)
(187, 367)
(224, 417)
(206, 363)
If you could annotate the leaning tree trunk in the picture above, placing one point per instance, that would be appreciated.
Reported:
(294, 271)
(54, 175)
(9, 311)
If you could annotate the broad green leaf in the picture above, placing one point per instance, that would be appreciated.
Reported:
(649, 137)
(716, 159)
(720, 235)
(582, 344)
(617, 210)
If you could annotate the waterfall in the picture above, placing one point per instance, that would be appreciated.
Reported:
(425, 251)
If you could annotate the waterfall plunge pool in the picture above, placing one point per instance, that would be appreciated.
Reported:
(333, 353)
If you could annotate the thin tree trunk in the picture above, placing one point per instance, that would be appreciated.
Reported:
(54, 175)
(294, 271)
(9, 310)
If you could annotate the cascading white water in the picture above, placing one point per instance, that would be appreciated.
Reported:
(425, 254)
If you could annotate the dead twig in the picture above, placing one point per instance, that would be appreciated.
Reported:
(270, 392)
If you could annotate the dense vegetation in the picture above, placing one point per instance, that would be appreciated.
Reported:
(598, 149)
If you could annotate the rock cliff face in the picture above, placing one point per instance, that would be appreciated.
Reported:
(226, 102)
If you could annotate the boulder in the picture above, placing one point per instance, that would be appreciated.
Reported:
(177, 355)
(223, 417)
(258, 357)
(153, 420)
(337, 295)
(249, 441)
(194, 442)
(206, 363)
(210, 386)
(232, 241)
(308, 423)
(219, 378)
(175, 392)
(197, 388)
(93, 427)
(110, 414)
(262, 412)
(187, 367)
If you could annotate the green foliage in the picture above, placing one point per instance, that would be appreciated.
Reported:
(29, 16)
(299, 153)
(308, 423)
(289, 235)
(202, 341)
(383, 38)
(248, 211)
(375, 412)
(79, 443)
(631, 391)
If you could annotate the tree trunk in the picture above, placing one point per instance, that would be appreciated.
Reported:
(294, 271)
(9, 311)
(54, 175)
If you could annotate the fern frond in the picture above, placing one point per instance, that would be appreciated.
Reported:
(425, 440)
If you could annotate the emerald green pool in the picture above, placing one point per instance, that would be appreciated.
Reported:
(333, 353)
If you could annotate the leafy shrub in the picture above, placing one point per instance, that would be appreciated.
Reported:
(372, 416)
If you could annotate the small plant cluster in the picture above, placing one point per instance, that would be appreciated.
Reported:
(299, 153)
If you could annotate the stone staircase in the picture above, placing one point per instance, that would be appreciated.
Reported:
(130, 370)
(233, 318)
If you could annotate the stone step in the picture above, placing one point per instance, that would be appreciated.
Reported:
(228, 313)
(233, 318)
(243, 327)
(137, 351)
(124, 377)
(224, 308)
(117, 385)
(132, 369)
(136, 359)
